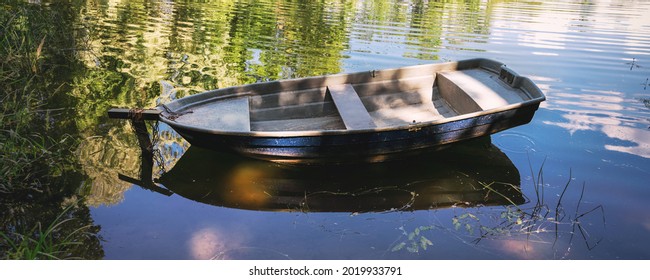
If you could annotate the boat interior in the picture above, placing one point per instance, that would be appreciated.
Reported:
(339, 104)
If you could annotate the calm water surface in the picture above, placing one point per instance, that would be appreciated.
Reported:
(572, 184)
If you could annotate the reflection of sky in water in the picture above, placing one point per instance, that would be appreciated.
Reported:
(590, 55)
(210, 243)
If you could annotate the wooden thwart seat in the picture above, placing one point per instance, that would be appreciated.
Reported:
(350, 107)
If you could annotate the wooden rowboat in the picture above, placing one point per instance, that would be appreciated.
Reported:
(366, 116)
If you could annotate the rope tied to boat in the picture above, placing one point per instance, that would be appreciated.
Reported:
(136, 114)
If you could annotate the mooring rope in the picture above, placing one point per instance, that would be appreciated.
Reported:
(136, 114)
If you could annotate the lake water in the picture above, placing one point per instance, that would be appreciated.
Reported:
(572, 184)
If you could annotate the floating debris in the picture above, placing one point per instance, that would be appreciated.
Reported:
(633, 64)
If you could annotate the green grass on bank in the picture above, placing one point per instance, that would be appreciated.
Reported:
(36, 155)
(30, 158)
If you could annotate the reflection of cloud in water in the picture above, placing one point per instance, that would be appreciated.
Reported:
(610, 125)
(612, 98)
(586, 120)
(607, 112)
(209, 242)
(522, 249)
(640, 137)
(592, 104)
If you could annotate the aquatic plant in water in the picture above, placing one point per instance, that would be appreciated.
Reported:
(415, 240)
(539, 220)
(548, 217)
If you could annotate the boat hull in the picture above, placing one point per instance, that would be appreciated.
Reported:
(360, 146)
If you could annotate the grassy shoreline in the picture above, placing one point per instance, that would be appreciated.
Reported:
(41, 217)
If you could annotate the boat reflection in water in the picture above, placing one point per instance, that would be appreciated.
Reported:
(452, 177)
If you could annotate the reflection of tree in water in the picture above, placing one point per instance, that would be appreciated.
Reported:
(205, 46)
(102, 159)
(424, 26)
